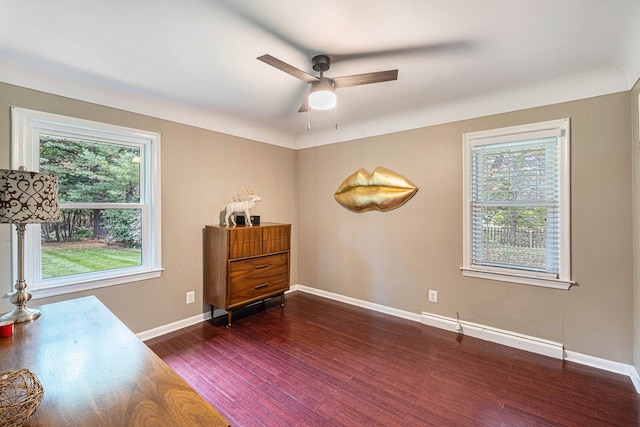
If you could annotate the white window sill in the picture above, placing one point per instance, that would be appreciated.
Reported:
(523, 280)
(95, 283)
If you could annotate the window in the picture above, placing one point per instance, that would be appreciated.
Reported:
(109, 194)
(516, 204)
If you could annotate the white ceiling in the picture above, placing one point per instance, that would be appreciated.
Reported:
(194, 61)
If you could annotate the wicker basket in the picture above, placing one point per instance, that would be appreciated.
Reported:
(20, 395)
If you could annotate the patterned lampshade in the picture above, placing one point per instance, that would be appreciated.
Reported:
(28, 197)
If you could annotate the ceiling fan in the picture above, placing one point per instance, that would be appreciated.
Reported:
(322, 92)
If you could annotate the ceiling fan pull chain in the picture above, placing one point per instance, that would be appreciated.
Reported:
(308, 119)
(335, 115)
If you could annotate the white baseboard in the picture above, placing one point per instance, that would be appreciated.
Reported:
(596, 362)
(499, 336)
(174, 326)
(357, 302)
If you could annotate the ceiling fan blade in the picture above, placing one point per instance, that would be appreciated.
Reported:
(289, 69)
(305, 105)
(364, 79)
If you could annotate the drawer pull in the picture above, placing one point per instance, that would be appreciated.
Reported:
(264, 285)
(258, 267)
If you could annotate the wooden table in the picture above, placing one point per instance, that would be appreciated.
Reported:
(96, 372)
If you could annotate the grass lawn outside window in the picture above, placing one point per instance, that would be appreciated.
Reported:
(82, 257)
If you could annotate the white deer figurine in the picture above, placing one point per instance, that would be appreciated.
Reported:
(243, 206)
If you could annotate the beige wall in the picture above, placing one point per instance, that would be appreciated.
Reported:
(394, 258)
(391, 258)
(201, 172)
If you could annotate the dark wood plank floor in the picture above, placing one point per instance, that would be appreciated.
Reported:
(318, 362)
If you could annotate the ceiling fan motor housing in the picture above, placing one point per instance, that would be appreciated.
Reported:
(321, 63)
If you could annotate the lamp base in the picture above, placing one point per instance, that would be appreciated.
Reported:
(21, 314)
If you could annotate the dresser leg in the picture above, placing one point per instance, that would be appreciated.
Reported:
(229, 313)
(282, 300)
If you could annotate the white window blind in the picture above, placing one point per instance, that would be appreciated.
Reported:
(515, 205)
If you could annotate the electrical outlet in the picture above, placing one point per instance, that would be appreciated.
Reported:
(433, 296)
(191, 297)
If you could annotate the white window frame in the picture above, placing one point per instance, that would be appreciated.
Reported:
(27, 125)
(560, 127)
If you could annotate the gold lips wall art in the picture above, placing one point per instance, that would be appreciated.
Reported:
(381, 190)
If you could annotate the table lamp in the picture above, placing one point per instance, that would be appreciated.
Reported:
(26, 198)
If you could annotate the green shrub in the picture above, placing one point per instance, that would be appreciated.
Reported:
(124, 226)
(82, 233)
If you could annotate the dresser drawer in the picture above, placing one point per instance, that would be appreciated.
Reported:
(276, 239)
(245, 242)
(253, 279)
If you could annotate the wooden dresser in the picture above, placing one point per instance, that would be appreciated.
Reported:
(96, 372)
(243, 264)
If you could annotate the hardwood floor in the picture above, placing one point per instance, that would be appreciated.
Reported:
(319, 362)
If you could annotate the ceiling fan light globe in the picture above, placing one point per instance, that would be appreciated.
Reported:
(322, 95)
(322, 100)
